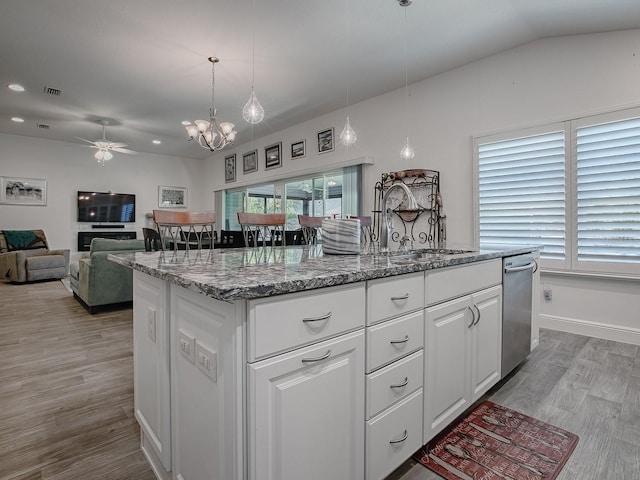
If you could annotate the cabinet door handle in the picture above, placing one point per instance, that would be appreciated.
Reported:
(473, 317)
(318, 318)
(317, 359)
(400, 440)
(404, 340)
(400, 385)
(479, 314)
(403, 297)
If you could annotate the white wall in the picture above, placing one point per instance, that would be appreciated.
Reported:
(69, 167)
(541, 82)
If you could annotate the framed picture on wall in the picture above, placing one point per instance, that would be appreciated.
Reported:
(298, 149)
(273, 156)
(325, 140)
(172, 197)
(23, 191)
(250, 162)
(230, 168)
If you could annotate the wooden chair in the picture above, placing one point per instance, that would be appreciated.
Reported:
(311, 226)
(185, 228)
(265, 228)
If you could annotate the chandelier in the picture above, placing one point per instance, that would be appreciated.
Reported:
(210, 134)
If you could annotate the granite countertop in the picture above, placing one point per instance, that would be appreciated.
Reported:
(244, 273)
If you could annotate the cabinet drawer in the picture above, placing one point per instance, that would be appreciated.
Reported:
(394, 382)
(394, 339)
(447, 283)
(391, 297)
(385, 447)
(278, 324)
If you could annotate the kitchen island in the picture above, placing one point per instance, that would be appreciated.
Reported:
(285, 363)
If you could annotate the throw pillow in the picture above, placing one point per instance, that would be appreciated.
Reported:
(23, 240)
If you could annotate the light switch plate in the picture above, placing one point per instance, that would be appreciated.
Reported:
(207, 361)
(187, 345)
(151, 323)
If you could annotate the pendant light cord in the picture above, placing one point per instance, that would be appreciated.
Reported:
(347, 55)
(406, 76)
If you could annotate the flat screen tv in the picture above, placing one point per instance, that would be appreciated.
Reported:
(106, 207)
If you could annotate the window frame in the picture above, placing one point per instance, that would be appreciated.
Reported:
(570, 264)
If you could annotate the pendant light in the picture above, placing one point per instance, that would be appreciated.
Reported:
(348, 135)
(407, 152)
(253, 111)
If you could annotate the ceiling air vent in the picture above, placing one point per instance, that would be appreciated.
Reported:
(56, 92)
(44, 126)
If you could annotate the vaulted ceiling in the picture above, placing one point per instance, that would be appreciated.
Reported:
(142, 65)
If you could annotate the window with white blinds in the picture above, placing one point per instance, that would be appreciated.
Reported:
(608, 192)
(521, 192)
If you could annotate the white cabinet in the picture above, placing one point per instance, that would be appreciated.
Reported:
(152, 388)
(306, 412)
(463, 340)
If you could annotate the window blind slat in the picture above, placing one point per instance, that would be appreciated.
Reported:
(521, 192)
(608, 192)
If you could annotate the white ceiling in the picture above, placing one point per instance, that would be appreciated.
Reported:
(142, 64)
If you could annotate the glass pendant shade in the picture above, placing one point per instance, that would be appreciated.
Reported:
(407, 152)
(348, 136)
(253, 111)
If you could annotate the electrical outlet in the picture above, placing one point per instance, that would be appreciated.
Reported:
(548, 294)
(207, 361)
(151, 323)
(187, 346)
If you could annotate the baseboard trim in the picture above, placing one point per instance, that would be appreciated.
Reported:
(591, 329)
(152, 458)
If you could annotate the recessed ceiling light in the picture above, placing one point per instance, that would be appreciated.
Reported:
(186, 122)
(16, 87)
(17, 119)
(156, 142)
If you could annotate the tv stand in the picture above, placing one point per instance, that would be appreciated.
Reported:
(84, 238)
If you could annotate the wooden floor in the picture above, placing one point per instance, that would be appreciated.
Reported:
(66, 389)
(66, 394)
(588, 386)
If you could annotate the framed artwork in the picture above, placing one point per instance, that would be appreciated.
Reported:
(273, 156)
(250, 162)
(230, 168)
(298, 149)
(23, 191)
(172, 197)
(325, 140)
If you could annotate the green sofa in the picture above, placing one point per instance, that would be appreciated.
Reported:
(97, 281)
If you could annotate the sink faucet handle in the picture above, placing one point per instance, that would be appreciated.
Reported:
(403, 242)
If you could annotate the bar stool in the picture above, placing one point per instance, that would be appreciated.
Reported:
(188, 229)
(262, 227)
(366, 229)
(311, 226)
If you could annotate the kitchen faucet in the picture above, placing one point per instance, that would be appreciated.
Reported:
(386, 229)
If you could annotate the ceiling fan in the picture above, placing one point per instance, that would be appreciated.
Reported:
(105, 147)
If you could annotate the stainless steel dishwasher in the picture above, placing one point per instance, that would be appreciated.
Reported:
(517, 280)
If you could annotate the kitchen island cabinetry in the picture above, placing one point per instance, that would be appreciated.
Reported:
(340, 367)
(462, 341)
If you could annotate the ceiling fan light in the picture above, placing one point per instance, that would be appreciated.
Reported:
(107, 155)
(99, 155)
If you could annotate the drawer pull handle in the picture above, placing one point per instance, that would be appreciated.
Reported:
(404, 340)
(404, 437)
(400, 385)
(473, 318)
(403, 297)
(317, 359)
(317, 319)
(479, 314)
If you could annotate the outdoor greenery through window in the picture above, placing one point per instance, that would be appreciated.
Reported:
(321, 195)
(572, 187)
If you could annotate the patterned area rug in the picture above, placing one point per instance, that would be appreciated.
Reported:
(495, 442)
